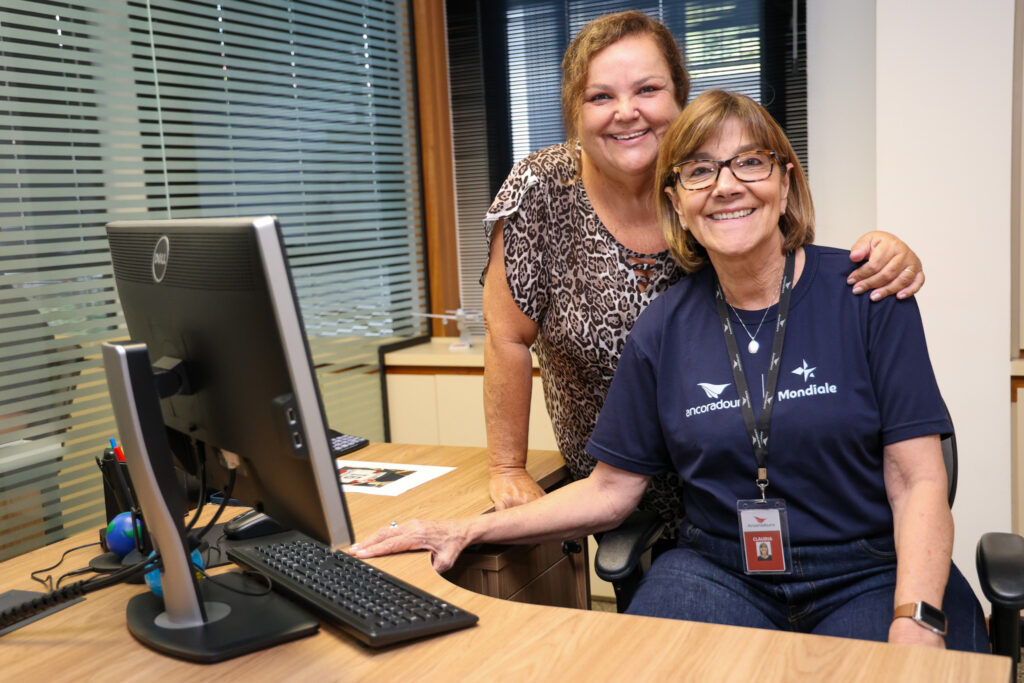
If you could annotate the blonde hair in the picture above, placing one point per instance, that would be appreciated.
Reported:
(702, 119)
(596, 36)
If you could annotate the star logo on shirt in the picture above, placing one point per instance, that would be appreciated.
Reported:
(805, 371)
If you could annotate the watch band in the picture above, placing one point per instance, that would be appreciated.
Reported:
(926, 615)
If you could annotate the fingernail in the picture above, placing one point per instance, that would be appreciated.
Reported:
(850, 280)
(901, 295)
(354, 547)
(875, 296)
(858, 288)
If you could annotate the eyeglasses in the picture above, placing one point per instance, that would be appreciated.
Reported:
(749, 167)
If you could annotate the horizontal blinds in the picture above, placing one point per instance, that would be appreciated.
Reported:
(183, 109)
(537, 38)
(471, 152)
(724, 44)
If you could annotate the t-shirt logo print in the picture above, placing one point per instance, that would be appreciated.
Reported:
(805, 371)
(712, 390)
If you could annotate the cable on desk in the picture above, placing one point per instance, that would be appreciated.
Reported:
(34, 606)
(228, 490)
(29, 608)
(201, 469)
(260, 575)
(48, 580)
(74, 572)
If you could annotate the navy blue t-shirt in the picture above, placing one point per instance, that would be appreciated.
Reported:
(855, 377)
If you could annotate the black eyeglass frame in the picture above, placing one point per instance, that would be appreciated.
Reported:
(677, 178)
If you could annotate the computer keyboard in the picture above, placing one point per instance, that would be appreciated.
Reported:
(371, 605)
(345, 443)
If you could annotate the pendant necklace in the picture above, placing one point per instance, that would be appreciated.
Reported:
(753, 346)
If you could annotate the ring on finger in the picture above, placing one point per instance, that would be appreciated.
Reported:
(393, 524)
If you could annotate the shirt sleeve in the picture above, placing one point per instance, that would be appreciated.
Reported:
(908, 396)
(521, 203)
(628, 434)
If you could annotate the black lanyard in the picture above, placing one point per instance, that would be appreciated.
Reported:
(758, 432)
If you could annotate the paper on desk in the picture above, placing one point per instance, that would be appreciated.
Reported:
(385, 478)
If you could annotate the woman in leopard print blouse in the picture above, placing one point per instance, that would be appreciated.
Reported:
(576, 252)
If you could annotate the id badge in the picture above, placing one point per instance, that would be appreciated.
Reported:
(764, 528)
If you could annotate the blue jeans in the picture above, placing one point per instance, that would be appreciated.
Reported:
(841, 590)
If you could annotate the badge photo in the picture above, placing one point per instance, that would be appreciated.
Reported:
(765, 536)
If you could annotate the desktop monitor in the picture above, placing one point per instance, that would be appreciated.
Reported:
(217, 295)
(218, 358)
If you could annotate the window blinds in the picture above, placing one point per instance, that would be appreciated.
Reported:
(747, 46)
(182, 109)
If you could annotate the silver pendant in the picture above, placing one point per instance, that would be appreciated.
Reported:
(753, 346)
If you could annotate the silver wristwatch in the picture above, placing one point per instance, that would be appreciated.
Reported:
(927, 616)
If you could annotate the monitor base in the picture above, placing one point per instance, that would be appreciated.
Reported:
(253, 622)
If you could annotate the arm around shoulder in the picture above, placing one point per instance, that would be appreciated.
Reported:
(892, 267)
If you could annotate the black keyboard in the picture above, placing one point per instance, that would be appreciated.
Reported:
(345, 443)
(371, 605)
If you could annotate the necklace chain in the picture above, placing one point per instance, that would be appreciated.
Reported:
(754, 345)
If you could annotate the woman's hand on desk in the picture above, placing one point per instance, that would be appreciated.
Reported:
(512, 486)
(444, 539)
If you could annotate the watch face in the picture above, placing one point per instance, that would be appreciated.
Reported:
(932, 616)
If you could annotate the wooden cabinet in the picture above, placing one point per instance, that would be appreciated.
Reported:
(436, 396)
(543, 574)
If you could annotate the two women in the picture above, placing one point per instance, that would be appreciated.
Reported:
(792, 412)
(577, 253)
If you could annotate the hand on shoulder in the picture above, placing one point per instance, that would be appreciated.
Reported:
(891, 267)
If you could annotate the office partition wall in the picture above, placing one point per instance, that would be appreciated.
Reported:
(179, 109)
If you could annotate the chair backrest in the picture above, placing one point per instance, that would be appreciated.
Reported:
(949, 458)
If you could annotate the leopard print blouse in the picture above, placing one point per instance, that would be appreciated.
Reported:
(584, 289)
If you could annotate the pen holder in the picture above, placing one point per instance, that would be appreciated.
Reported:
(118, 492)
(116, 498)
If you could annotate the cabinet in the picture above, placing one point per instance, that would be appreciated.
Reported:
(435, 396)
(543, 574)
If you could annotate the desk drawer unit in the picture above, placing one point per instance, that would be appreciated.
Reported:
(542, 574)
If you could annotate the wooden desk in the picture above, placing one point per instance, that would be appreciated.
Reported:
(512, 642)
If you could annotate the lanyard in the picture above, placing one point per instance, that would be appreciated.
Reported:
(758, 432)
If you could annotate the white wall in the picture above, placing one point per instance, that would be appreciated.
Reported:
(841, 119)
(899, 87)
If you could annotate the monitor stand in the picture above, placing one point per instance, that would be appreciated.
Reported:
(196, 620)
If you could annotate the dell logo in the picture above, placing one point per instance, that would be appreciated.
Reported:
(160, 255)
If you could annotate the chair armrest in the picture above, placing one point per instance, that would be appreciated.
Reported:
(620, 549)
(1000, 560)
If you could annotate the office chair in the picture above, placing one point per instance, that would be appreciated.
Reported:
(623, 555)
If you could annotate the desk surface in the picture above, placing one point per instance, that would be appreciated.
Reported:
(513, 641)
